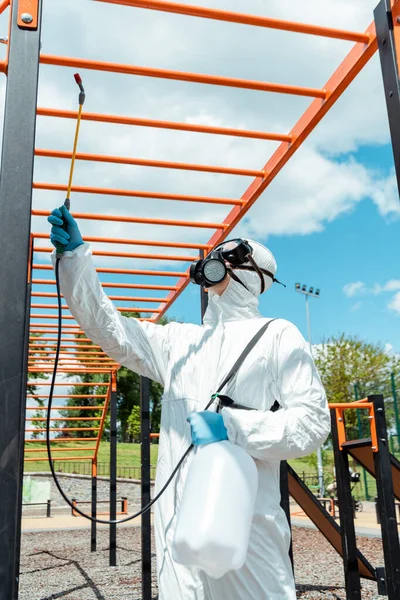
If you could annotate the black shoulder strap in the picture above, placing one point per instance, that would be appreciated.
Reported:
(244, 354)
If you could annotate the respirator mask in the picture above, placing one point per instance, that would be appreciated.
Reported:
(225, 259)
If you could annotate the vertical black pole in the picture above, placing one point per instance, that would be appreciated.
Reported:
(93, 541)
(203, 293)
(285, 501)
(145, 462)
(386, 502)
(15, 221)
(113, 470)
(349, 546)
(387, 52)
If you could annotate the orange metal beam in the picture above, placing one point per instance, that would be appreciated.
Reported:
(68, 407)
(82, 189)
(142, 162)
(138, 122)
(70, 395)
(244, 19)
(106, 384)
(63, 370)
(60, 458)
(62, 429)
(4, 5)
(104, 414)
(130, 286)
(336, 85)
(122, 298)
(121, 308)
(65, 418)
(108, 240)
(77, 439)
(31, 7)
(261, 86)
(396, 32)
(145, 221)
(170, 257)
(59, 450)
(123, 271)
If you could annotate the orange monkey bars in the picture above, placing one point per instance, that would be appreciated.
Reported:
(148, 213)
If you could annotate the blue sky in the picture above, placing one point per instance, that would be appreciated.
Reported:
(359, 246)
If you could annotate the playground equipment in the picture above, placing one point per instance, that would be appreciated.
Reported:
(22, 257)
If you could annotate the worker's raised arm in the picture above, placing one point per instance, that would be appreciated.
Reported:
(303, 422)
(142, 347)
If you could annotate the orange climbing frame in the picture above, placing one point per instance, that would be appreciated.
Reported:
(154, 290)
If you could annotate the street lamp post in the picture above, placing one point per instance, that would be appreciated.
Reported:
(302, 289)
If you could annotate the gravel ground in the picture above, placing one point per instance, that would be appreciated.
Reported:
(60, 565)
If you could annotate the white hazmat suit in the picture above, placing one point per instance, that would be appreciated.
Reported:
(190, 361)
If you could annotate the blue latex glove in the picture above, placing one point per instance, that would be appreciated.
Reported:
(207, 427)
(71, 238)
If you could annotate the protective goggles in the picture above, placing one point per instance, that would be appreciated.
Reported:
(223, 260)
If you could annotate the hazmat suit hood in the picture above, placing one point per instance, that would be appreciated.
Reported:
(237, 302)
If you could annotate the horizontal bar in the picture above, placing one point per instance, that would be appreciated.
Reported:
(127, 241)
(70, 317)
(63, 440)
(63, 346)
(147, 221)
(244, 19)
(132, 255)
(73, 354)
(123, 271)
(105, 384)
(63, 429)
(122, 298)
(139, 122)
(261, 86)
(130, 286)
(59, 458)
(62, 370)
(83, 189)
(353, 405)
(70, 395)
(34, 329)
(120, 308)
(65, 419)
(67, 407)
(142, 162)
(58, 450)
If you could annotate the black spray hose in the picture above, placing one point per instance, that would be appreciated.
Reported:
(67, 500)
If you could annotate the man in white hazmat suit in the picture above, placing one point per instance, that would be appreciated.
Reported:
(191, 361)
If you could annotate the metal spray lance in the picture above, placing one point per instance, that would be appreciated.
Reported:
(67, 203)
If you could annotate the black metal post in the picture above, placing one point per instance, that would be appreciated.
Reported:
(285, 501)
(146, 496)
(203, 293)
(113, 470)
(386, 502)
(48, 511)
(93, 540)
(15, 220)
(387, 52)
(345, 502)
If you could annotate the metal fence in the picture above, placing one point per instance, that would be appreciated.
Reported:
(103, 469)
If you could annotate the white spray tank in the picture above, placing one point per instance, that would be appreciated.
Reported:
(217, 507)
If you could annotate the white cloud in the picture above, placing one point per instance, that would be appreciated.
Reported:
(390, 286)
(354, 289)
(320, 183)
(356, 306)
(394, 304)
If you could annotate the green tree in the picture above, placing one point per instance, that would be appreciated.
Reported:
(128, 397)
(134, 424)
(345, 362)
(36, 351)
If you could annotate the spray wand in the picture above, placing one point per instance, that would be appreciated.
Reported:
(67, 203)
(59, 254)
